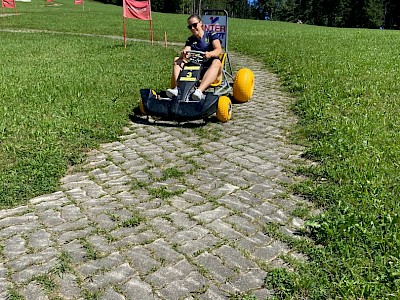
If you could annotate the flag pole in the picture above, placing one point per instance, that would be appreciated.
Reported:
(124, 24)
(137, 10)
(151, 25)
(151, 32)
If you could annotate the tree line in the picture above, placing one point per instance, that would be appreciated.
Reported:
(337, 13)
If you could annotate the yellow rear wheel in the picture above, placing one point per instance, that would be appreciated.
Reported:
(243, 85)
(224, 109)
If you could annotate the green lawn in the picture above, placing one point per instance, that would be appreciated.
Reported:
(347, 83)
(63, 94)
(96, 18)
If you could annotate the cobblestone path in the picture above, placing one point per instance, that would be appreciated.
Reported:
(166, 212)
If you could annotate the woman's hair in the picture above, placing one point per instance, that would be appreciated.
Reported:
(194, 16)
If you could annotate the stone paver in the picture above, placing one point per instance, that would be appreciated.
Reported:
(168, 211)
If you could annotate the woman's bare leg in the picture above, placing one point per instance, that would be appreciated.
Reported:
(213, 72)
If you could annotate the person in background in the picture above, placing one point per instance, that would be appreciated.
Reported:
(199, 41)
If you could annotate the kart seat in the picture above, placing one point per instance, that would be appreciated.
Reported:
(218, 81)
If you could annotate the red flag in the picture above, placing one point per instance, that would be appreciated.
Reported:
(8, 3)
(78, 2)
(137, 9)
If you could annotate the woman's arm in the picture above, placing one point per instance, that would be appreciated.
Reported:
(217, 50)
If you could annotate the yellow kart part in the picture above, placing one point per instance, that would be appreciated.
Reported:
(243, 85)
(224, 109)
(141, 107)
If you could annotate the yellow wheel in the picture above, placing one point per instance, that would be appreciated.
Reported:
(172, 82)
(243, 85)
(141, 107)
(224, 109)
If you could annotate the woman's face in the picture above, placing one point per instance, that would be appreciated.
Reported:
(195, 25)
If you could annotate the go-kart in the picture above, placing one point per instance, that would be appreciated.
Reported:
(184, 108)
(217, 100)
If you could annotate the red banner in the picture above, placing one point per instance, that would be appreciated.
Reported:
(136, 9)
(8, 3)
(78, 2)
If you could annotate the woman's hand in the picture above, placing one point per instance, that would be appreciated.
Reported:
(183, 54)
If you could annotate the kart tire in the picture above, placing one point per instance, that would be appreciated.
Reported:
(243, 85)
(224, 109)
(141, 107)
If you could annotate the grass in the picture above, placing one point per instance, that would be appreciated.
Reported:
(164, 193)
(242, 297)
(63, 94)
(281, 282)
(91, 252)
(347, 85)
(64, 264)
(172, 173)
(46, 282)
(133, 221)
(14, 295)
(97, 19)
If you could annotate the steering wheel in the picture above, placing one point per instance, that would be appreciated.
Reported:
(195, 56)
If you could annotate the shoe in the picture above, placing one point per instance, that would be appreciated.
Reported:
(197, 95)
(172, 92)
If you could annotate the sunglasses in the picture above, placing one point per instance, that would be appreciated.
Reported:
(194, 25)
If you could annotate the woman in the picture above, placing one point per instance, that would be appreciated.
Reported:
(199, 41)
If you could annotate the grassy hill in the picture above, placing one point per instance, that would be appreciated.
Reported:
(65, 93)
(347, 85)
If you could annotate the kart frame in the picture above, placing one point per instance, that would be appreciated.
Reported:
(208, 19)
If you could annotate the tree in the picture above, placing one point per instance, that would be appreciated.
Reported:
(260, 9)
(330, 8)
(392, 14)
(185, 6)
(375, 13)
